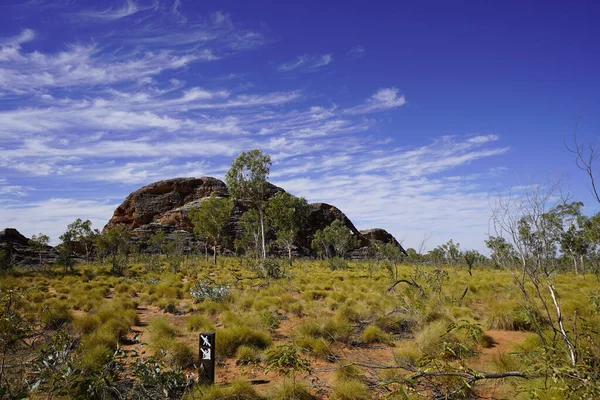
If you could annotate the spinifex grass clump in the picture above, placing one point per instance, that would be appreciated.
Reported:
(163, 339)
(230, 339)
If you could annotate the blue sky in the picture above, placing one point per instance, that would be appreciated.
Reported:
(404, 115)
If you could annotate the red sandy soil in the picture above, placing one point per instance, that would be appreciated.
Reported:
(503, 343)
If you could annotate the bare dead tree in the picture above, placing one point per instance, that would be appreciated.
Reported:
(586, 154)
(522, 217)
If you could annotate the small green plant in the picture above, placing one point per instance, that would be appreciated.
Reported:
(203, 290)
(286, 360)
(198, 323)
(241, 390)
(373, 334)
(152, 375)
(269, 320)
(230, 339)
(247, 355)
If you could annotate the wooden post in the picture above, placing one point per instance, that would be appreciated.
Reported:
(207, 357)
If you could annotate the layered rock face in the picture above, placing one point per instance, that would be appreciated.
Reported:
(20, 252)
(165, 205)
(381, 235)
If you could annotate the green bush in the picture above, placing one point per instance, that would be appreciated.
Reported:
(291, 391)
(247, 355)
(373, 334)
(348, 389)
(198, 323)
(86, 323)
(230, 339)
(55, 314)
(238, 390)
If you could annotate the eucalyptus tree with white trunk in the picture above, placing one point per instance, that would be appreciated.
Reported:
(247, 182)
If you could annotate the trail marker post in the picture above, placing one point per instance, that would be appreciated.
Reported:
(207, 357)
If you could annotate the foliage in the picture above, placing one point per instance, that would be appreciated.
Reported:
(152, 373)
(156, 241)
(210, 220)
(66, 248)
(286, 214)
(247, 181)
(175, 251)
(251, 234)
(204, 290)
(338, 236)
(116, 244)
(84, 234)
(286, 361)
(39, 243)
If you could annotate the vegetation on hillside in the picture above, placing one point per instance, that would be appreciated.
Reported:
(124, 323)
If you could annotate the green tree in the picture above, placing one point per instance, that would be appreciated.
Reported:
(319, 245)
(210, 220)
(570, 226)
(156, 241)
(452, 252)
(473, 258)
(287, 213)
(336, 235)
(251, 233)
(39, 242)
(116, 243)
(503, 253)
(175, 251)
(390, 254)
(65, 250)
(247, 182)
(84, 234)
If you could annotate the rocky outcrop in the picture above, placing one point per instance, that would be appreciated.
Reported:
(381, 235)
(165, 206)
(160, 201)
(19, 252)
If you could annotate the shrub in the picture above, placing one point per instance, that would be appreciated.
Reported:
(230, 339)
(55, 315)
(348, 372)
(247, 355)
(373, 334)
(293, 391)
(350, 390)
(198, 323)
(180, 354)
(269, 320)
(94, 357)
(86, 323)
(271, 268)
(511, 316)
(160, 328)
(331, 329)
(238, 390)
(318, 347)
(337, 263)
(203, 290)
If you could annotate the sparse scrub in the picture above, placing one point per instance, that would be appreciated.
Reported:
(373, 334)
(235, 390)
(230, 339)
(198, 323)
(349, 389)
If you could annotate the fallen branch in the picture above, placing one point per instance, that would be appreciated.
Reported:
(411, 283)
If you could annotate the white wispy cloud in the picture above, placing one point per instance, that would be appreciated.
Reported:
(383, 100)
(26, 35)
(357, 51)
(134, 106)
(306, 62)
(112, 13)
